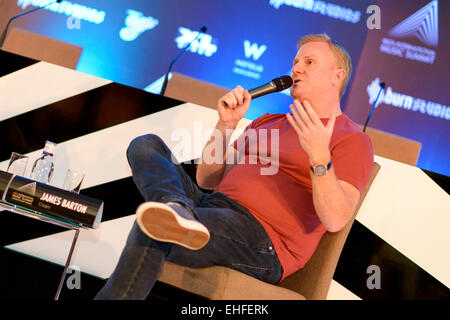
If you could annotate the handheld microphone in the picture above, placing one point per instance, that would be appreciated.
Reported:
(3, 36)
(166, 78)
(382, 86)
(276, 85)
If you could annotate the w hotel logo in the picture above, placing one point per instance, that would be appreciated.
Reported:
(423, 24)
(252, 50)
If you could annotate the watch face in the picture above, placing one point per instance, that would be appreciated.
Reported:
(320, 170)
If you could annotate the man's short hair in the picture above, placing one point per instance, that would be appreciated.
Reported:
(343, 59)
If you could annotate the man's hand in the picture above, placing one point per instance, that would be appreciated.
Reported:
(313, 135)
(334, 200)
(233, 106)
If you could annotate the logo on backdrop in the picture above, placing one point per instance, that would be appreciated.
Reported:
(203, 45)
(249, 68)
(324, 8)
(422, 25)
(252, 50)
(135, 24)
(407, 102)
(68, 8)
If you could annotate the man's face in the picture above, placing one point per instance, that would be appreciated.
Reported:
(314, 72)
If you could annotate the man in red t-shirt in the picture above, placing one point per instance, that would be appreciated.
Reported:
(292, 178)
(324, 159)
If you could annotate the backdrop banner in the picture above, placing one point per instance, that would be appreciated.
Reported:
(410, 54)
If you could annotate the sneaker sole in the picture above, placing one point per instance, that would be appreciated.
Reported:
(160, 222)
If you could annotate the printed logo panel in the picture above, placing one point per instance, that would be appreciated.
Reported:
(422, 25)
(135, 24)
(203, 45)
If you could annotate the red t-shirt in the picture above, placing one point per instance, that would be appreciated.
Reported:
(282, 202)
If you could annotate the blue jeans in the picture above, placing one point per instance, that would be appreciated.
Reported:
(237, 241)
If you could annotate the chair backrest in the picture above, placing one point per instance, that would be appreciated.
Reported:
(313, 281)
(192, 90)
(42, 48)
(394, 147)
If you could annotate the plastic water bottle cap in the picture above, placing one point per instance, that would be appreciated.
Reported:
(49, 147)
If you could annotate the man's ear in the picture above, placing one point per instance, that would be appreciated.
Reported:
(339, 76)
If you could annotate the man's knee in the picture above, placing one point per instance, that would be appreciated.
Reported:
(144, 143)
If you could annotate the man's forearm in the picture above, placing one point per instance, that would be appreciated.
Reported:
(212, 166)
(333, 205)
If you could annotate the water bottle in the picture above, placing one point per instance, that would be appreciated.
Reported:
(42, 170)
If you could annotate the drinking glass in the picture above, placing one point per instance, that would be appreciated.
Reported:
(17, 164)
(73, 181)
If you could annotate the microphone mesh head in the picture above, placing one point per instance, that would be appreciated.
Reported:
(283, 82)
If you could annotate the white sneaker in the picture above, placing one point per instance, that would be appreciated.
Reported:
(171, 223)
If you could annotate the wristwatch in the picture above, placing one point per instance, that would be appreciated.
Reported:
(320, 169)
